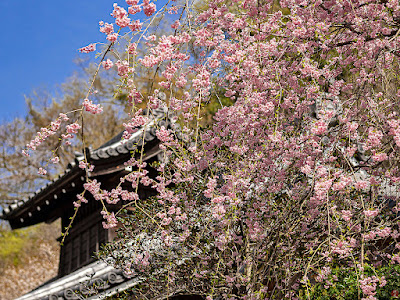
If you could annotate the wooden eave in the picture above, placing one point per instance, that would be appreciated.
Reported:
(45, 205)
(48, 203)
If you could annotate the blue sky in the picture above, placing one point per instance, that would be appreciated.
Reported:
(39, 40)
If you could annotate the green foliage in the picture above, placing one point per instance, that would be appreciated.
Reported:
(16, 246)
(12, 244)
(345, 284)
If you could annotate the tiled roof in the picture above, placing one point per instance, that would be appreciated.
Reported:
(20, 203)
(112, 149)
(79, 284)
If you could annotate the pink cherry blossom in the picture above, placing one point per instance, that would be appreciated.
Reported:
(107, 64)
(112, 37)
(106, 28)
(269, 142)
(42, 171)
(89, 48)
(148, 8)
(92, 108)
(371, 213)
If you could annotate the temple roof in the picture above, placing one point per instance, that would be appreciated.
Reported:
(80, 284)
(43, 205)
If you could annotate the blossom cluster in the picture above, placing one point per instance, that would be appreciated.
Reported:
(298, 171)
(45, 133)
(91, 107)
(87, 49)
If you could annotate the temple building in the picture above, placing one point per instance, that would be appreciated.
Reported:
(79, 273)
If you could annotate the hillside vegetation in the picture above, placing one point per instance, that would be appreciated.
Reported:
(28, 258)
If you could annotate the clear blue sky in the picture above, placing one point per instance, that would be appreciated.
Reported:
(39, 40)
